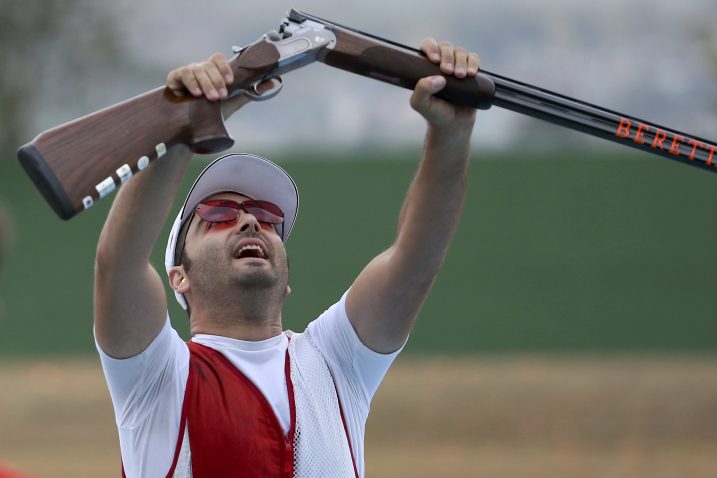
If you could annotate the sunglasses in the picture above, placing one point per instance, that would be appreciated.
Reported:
(226, 210)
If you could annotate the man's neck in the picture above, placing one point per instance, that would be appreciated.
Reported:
(245, 320)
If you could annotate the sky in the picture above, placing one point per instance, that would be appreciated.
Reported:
(645, 59)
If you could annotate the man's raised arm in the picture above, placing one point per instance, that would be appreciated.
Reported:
(385, 299)
(130, 302)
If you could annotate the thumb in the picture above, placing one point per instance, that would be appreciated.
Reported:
(425, 89)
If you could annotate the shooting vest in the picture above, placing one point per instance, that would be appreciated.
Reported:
(228, 429)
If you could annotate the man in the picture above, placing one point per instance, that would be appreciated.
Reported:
(244, 398)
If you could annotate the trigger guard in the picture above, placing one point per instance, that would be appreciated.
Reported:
(255, 96)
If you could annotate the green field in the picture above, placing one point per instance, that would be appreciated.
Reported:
(554, 254)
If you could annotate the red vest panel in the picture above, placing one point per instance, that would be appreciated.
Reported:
(233, 431)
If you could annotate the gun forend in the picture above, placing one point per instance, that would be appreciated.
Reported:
(391, 62)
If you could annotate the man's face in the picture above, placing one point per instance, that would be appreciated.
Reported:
(245, 253)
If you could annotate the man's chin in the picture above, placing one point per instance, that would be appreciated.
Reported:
(256, 275)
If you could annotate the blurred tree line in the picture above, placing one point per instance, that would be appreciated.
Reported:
(44, 47)
(43, 44)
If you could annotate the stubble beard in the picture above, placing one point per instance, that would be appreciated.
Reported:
(256, 279)
(219, 280)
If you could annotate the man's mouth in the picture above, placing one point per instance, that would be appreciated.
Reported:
(251, 250)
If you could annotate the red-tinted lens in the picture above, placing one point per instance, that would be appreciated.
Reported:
(225, 211)
(264, 211)
(217, 213)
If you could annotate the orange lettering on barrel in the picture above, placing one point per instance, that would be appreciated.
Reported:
(712, 153)
(623, 131)
(675, 148)
(695, 144)
(660, 136)
(640, 134)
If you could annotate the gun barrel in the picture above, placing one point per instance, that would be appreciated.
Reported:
(603, 123)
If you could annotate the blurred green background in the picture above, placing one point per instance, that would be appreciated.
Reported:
(569, 252)
(566, 245)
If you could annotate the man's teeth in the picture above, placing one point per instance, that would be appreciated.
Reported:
(251, 247)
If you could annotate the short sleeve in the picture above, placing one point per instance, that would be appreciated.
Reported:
(133, 377)
(337, 340)
(147, 392)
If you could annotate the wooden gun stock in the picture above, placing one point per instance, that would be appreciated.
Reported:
(79, 162)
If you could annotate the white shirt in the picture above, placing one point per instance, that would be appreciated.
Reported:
(147, 390)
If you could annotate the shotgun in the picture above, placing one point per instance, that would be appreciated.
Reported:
(77, 163)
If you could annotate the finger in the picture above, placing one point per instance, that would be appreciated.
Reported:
(205, 83)
(425, 89)
(216, 77)
(222, 64)
(473, 64)
(181, 80)
(447, 57)
(461, 62)
(429, 46)
(174, 84)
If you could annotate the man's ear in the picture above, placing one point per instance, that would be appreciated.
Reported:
(288, 290)
(178, 279)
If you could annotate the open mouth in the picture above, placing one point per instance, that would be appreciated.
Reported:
(251, 251)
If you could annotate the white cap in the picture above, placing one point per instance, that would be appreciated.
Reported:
(245, 174)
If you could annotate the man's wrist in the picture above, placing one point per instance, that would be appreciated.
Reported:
(452, 133)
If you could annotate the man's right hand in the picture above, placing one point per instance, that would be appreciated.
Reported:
(208, 78)
(211, 79)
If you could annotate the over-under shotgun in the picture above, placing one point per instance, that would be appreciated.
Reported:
(79, 162)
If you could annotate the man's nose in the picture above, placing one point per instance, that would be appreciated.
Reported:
(247, 222)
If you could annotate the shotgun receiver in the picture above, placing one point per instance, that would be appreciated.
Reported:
(77, 163)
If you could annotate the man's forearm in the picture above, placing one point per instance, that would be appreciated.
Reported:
(434, 203)
(143, 204)
(141, 208)
(385, 299)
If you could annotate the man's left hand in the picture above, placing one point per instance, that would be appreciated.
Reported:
(453, 61)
